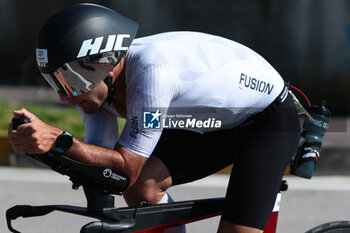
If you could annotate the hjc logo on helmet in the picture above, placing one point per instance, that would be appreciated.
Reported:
(114, 42)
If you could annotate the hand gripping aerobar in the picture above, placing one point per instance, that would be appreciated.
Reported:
(97, 181)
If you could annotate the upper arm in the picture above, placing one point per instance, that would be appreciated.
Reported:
(150, 90)
(101, 128)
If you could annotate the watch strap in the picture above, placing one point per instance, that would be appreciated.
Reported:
(51, 153)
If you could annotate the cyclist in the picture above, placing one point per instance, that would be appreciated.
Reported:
(194, 103)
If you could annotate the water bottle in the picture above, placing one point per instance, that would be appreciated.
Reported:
(305, 161)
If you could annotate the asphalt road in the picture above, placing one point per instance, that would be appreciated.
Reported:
(304, 205)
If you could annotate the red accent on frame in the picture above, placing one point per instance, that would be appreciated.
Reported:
(160, 229)
(271, 225)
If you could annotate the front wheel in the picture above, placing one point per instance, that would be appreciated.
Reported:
(332, 227)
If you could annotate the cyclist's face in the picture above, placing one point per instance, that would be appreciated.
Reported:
(90, 102)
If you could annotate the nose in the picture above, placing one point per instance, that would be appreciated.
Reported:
(110, 74)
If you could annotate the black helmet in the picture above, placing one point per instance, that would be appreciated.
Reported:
(79, 45)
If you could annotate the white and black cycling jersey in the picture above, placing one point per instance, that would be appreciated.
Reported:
(186, 80)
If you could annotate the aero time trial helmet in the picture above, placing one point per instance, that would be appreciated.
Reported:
(79, 45)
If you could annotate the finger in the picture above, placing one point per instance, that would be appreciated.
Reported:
(23, 113)
(13, 139)
(22, 146)
(17, 148)
(26, 147)
(34, 150)
(19, 113)
(18, 140)
(19, 152)
(10, 127)
(25, 129)
(11, 131)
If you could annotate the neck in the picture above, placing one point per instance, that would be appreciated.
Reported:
(119, 100)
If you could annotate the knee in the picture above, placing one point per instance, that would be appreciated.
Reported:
(150, 185)
(148, 190)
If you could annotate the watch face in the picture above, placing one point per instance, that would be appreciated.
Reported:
(64, 141)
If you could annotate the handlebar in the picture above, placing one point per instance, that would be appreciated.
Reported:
(108, 179)
(98, 182)
(111, 221)
(18, 121)
(24, 211)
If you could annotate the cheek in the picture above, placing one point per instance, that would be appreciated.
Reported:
(101, 91)
(98, 95)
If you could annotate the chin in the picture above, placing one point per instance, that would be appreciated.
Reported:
(90, 108)
(88, 111)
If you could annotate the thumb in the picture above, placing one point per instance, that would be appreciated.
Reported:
(23, 113)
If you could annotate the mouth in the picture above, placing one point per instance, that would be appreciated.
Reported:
(81, 103)
(75, 102)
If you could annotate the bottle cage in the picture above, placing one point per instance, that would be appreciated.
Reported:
(303, 94)
(299, 107)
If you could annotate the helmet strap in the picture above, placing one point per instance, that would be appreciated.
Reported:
(110, 95)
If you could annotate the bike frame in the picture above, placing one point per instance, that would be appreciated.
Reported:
(145, 219)
(203, 204)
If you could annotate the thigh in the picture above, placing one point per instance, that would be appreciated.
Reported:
(191, 156)
(265, 151)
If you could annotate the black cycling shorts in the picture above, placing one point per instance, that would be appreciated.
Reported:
(260, 152)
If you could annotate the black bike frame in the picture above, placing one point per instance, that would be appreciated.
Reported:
(146, 219)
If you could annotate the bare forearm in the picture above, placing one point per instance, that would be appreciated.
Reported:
(92, 154)
(120, 158)
(37, 137)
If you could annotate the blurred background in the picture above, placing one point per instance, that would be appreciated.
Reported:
(307, 41)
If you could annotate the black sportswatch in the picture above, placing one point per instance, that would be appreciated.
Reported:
(63, 142)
